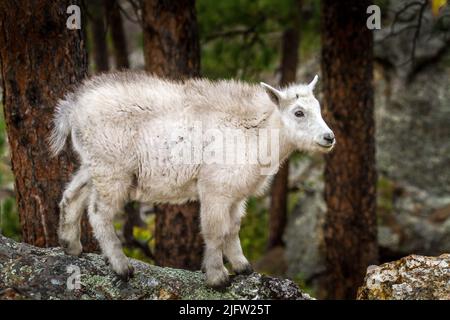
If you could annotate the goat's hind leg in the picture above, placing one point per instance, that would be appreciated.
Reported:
(101, 213)
(72, 206)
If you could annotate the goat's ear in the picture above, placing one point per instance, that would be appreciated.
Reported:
(275, 95)
(313, 83)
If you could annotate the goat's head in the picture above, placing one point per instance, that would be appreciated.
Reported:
(301, 117)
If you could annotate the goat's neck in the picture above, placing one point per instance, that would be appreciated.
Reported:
(286, 147)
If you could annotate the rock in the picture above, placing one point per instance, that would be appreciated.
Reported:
(412, 100)
(412, 113)
(304, 230)
(412, 277)
(28, 272)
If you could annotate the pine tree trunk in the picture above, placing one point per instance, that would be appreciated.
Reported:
(350, 174)
(178, 242)
(118, 38)
(171, 44)
(171, 49)
(279, 191)
(40, 60)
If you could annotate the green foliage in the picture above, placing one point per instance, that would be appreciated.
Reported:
(233, 36)
(9, 219)
(136, 253)
(142, 234)
(299, 279)
(254, 230)
(241, 38)
(385, 198)
(310, 30)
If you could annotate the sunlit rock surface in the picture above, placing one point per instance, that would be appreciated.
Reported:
(412, 277)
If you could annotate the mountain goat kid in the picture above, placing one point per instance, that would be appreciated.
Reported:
(130, 131)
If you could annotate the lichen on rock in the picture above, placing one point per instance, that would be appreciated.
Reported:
(412, 277)
(27, 272)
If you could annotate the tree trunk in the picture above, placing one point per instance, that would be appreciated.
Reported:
(98, 31)
(279, 191)
(171, 49)
(350, 174)
(118, 38)
(40, 60)
(178, 242)
(171, 44)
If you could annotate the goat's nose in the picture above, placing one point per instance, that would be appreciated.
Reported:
(329, 137)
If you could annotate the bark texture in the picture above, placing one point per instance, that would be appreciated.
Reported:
(40, 60)
(350, 174)
(279, 191)
(171, 49)
(171, 44)
(178, 242)
(27, 272)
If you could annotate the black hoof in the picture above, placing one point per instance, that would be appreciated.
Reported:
(247, 270)
(126, 276)
(221, 287)
(68, 250)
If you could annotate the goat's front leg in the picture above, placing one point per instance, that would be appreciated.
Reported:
(101, 213)
(215, 221)
(232, 244)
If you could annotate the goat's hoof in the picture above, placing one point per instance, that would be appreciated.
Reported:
(218, 282)
(71, 248)
(126, 274)
(245, 270)
(220, 286)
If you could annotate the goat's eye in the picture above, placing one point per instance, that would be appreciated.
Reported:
(299, 113)
(296, 96)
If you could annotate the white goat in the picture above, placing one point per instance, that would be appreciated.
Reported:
(120, 126)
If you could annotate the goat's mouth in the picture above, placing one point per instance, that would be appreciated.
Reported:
(325, 147)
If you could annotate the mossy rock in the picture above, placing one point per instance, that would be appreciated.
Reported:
(27, 272)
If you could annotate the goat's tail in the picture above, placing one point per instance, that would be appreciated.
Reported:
(61, 125)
